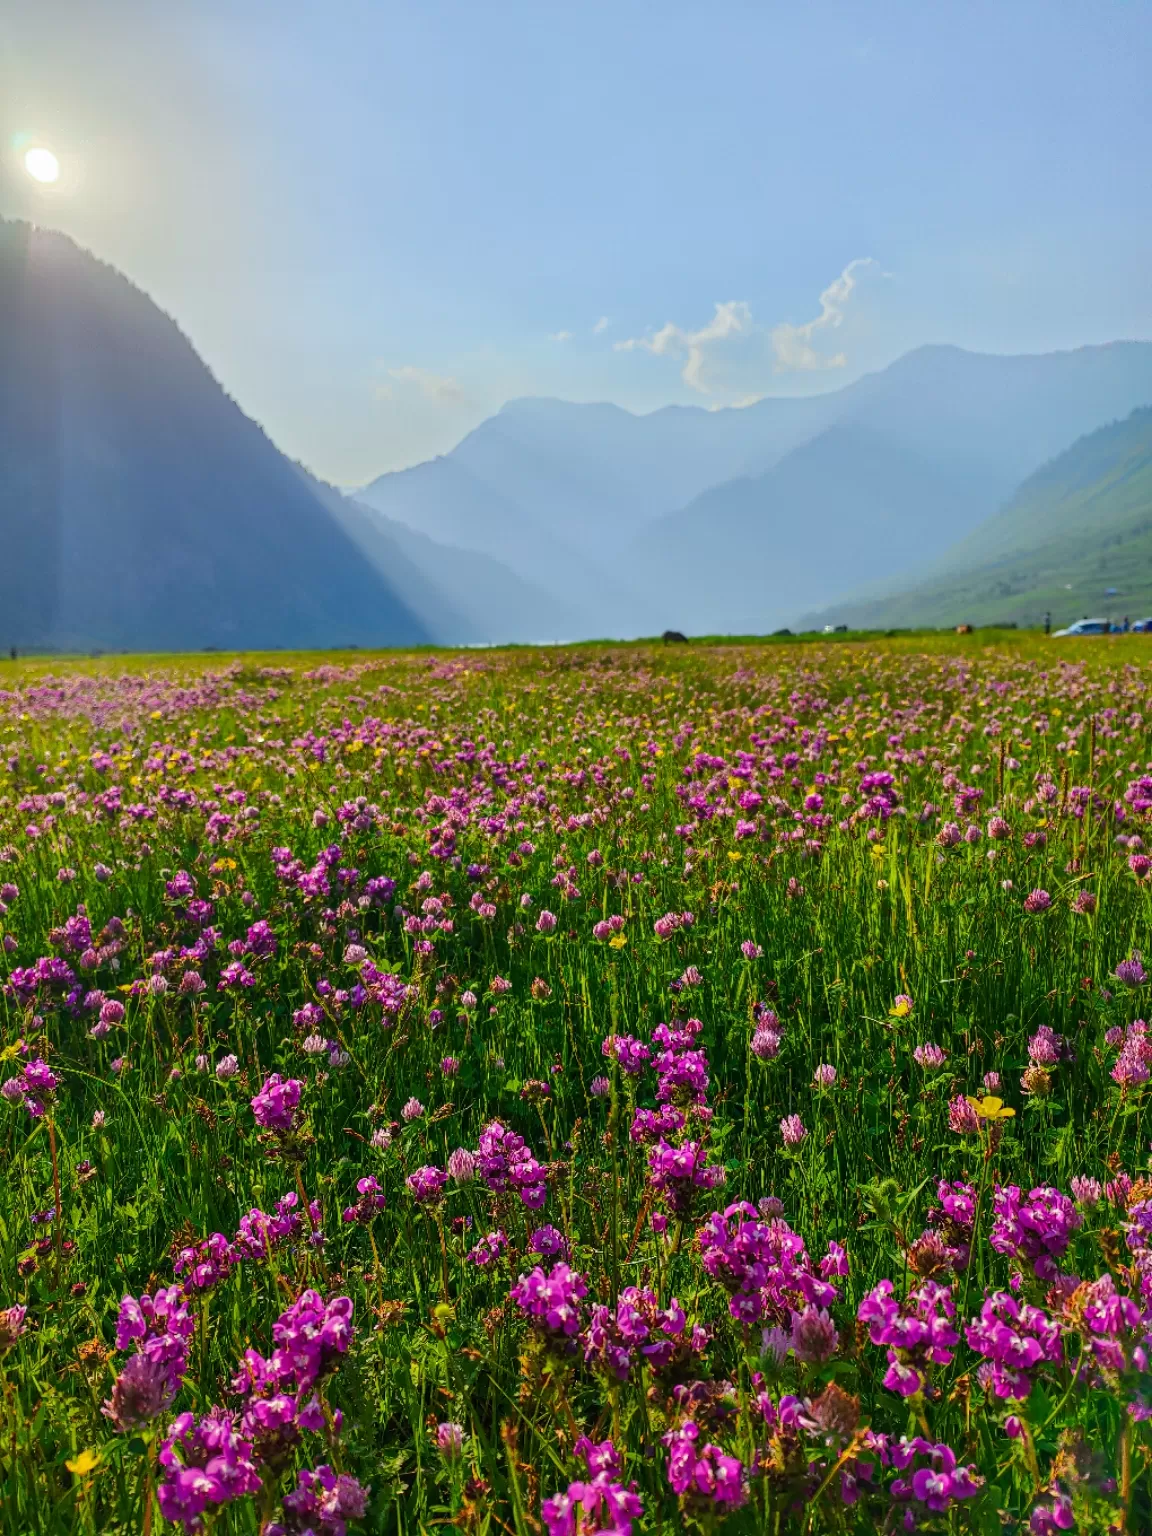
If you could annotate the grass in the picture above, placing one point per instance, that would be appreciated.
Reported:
(598, 782)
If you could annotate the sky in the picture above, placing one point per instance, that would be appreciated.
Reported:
(378, 221)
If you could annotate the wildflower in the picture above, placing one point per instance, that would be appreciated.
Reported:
(1037, 901)
(990, 1109)
(488, 1249)
(1036, 1230)
(751, 950)
(1131, 971)
(450, 1440)
(546, 922)
(599, 1503)
(1013, 1337)
(930, 1056)
(426, 1185)
(935, 1485)
(369, 1205)
(902, 1006)
(322, 1502)
(679, 1174)
(274, 1106)
(227, 1067)
(917, 1333)
(825, 1076)
(551, 1300)
(765, 1044)
(462, 1166)
(792, 1131)
(703, 1475)
(599, 1087)
(11, 1326)
(413, 1110)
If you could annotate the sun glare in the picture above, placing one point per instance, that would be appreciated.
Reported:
(42, 165)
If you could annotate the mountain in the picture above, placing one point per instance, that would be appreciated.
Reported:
(140, 509)
(737, 520)
(1080, 525)
(464, 597)
(919, 455)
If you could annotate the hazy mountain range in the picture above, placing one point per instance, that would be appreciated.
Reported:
(1076, 530)
(141, 509)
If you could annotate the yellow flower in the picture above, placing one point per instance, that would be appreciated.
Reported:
(734, 856)
(84, 1463)
(618, 940)
(991, 1108)
(902, 1007)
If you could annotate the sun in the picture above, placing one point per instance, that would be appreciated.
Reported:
(42, 165)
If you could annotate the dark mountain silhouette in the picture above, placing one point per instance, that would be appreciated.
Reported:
(1078, 527)
(140, 508)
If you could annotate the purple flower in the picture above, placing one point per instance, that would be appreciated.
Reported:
(426, 1185)
(930, 1056)
(1036, 1230)
(917, 1333)
(1131, 971)
(763, 1265)
(204, 1462)
(462, 1166)
(321, 1505)
(703, 1476)
(598, 1504)
(679, 1174)
(1014, 1337)
(551, 1300)
(274, 1107)
(369, 1205)
(450, 1440)
(962, 1118)
(506, 1162)
(1037, 901)
(487, 1250)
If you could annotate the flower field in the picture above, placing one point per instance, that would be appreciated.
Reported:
(610, 1089)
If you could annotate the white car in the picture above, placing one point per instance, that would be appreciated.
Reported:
(1085, 627)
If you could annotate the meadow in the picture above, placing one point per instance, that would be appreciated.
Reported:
(609, 1089)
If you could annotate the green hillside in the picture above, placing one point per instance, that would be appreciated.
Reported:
(1078, 526)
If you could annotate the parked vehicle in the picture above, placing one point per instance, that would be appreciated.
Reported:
(1086, 627)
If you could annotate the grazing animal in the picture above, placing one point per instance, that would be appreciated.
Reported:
(674, 637)
(963, 629)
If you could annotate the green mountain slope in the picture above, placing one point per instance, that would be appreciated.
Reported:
(1080, 525)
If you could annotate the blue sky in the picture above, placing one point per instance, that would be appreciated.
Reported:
(377, 221)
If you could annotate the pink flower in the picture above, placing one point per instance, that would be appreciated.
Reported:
(792, 1130)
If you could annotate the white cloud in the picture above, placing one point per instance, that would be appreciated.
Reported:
(433, 386)
(792, 344)
(731, 319)
(601, 325)
(792, 347)
(560, 336)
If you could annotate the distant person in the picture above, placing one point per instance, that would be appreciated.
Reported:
(12, 653)
(1047, 623)
(1124, 626)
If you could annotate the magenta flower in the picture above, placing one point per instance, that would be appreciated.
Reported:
(703, 1475)
(275, 1105)
(426, 1185)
